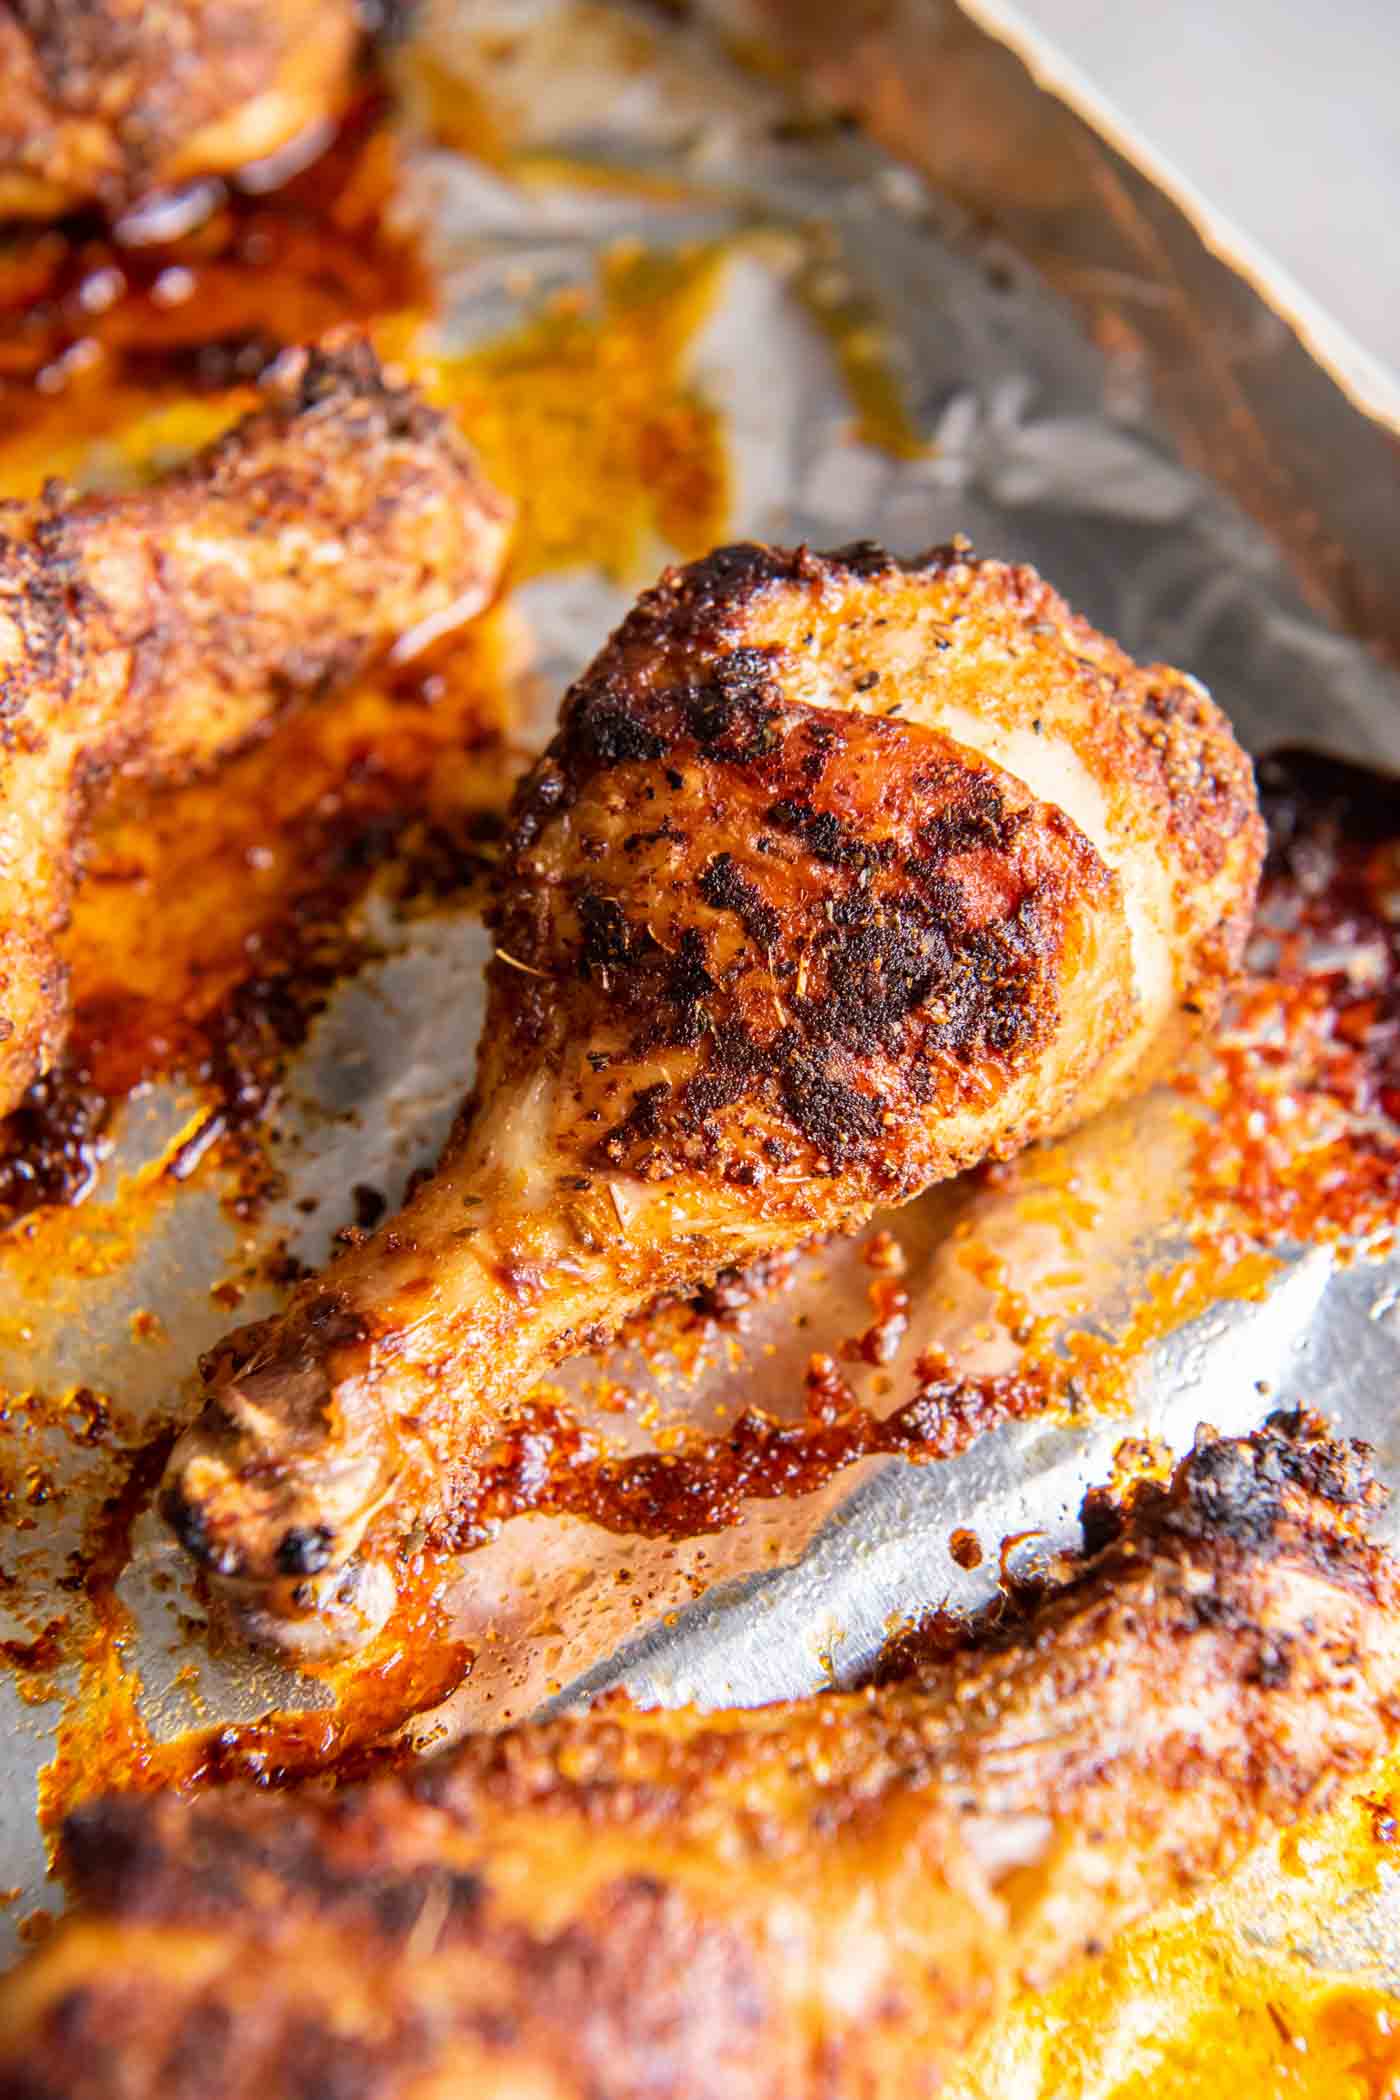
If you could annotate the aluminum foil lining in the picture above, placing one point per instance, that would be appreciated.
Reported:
(1037, 450)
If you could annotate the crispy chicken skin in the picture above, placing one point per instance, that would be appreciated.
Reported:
(106, 100)
(153, 631)
(839, 876)
(833, 1897)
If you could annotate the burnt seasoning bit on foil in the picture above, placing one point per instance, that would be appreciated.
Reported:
(840, 875)
(840, 1895)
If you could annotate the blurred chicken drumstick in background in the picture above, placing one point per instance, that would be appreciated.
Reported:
(105, 101)
(154, 631)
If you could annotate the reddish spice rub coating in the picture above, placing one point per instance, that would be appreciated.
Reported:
(155, 631)
(809, 702)
(833, 1897)
(840, 875)
(105, 100)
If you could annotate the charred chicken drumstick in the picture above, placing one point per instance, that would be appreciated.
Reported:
(152, 632)
(106, 100)
(839, 876)
(833, 1897)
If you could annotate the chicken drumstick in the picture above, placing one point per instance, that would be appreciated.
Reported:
(834, 1897)
(152, 632)
(105, 100)
(839, 876)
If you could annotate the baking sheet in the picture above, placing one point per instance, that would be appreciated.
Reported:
(1037, 448)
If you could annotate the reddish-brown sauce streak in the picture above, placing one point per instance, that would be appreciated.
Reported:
(81, 314)
(546, 1463)
(39, 1656)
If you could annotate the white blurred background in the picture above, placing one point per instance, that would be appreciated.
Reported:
(1285, 114)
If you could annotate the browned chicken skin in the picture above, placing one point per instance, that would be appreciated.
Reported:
(835, 1897)
(153, 631)
(839, 876)
(106, 100)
